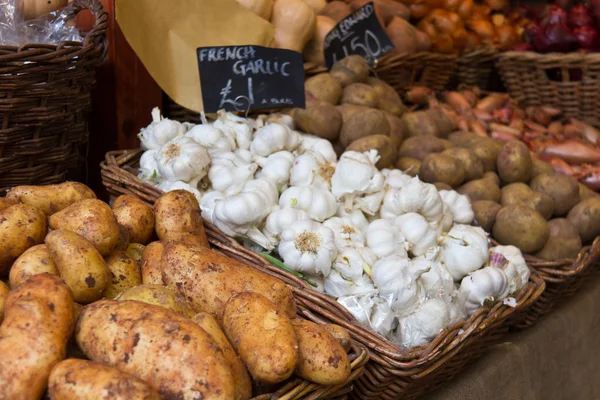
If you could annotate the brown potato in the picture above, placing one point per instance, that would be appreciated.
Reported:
(442, 186)
(87, 380)
(491, 175)
(262, 336)
(485, 214)
(178, 212)
(420, 146)
(564, 241)
(514, 162)
(38, 322)
(396, 134)
(585, 216)
(338, 148)
(21, 227)
(91, 218)
(324, 87)
(6, 202)
(463, 138)
(431, 122)
(389, 99)
(51, 198)
(585, 192)
(80, 265)
(409, 165)
(381, 143)
(158, 295)
(563, 189)
(166, 350)
(442, 168)
(487, 150)
(367, 122)
(319, 118)
(360, 94)
(123, 242)
(135, 250)
(341, 335)
(124, 272)
(481, 189)
(520, 193)
(472, 166)
(348, 110)
(34, 261)
(243, 385)
(321, 358)
(539, 167)
(351, 69)
(151, 264)
(135, 216)
(336, 10)
(3, 293)
(522, 227)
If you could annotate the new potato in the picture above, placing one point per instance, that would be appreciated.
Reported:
(3, 293)
(564, 241)
(522, 227)
(135, 216)
(514, 162)
(124, 272)
(563, 190)
(324, 87)
(178, 212)
(6, 202)
(585, 216)
(158, 295)
(34, 261)
(419, 147)
(520, 193)
(485, 214)
(340, 334)
(360, 94)
(481, 189)
(439, 167)
(150, 264)
(472, 166)
(366, 122)
(487, 150)
(319, 118)
(51, 198)
(351, 69)
(389, 99)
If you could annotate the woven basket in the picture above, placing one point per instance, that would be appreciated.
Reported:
(474, 68)
(392, 372)
(44, 101)
(570, 81)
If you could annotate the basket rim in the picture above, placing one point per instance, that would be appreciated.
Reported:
(532, 56)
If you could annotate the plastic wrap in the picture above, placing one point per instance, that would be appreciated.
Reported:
(372, 310)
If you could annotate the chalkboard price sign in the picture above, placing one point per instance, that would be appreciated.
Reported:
(359, 33)
(240, 78)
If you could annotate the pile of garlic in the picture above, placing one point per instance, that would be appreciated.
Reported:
(399, 255)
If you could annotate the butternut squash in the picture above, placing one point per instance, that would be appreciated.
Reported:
(336, 10)
(262, 8)
(316, 5)
(313, 52)
(294, 23)
(384, 9)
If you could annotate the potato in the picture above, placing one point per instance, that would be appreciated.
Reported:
(520, 193)
(367, 122)
(431, 122)
(34, 261)
(351, 69)
(383, 145)
(487, 150)
(6, 202)
(420, 146)
(319, 118)
(51, 198)
(135, 250)
(348, 110)
(585, 192)
(463, 138)
(178, 212)
(360, 94)
(442, 186)
(585, 216)
(442, 168)
(491, 175)
(409, 165)
(563, 189)
(3, 293)
(123, 241)
(208, 279)
(389, 99)
(262, 336)
(124, 272)
(522, 227)
(485, 214)
(336, 10)
(80, 265)
(21, 227)
(87, 380)
(158, 295)
(564, 242)
(166, 350)
(321, 358)
(539, 167)
(38, 322)
(341, 335)
(151, 264)
(93, 219)
(514, 162)
(135, 216)
(472, 166)
(396, 134)
(481, 189)
(324, 87)
(243, 385)
(338, 148)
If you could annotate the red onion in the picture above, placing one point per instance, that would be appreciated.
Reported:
(579, 16)
(556, 38)
(587, 37)
(565, 4)
(522, 47)
(553, 14)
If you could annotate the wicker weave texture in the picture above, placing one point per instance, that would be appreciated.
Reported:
(474, 68)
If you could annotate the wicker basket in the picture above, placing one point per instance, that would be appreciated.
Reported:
(474, 68)
(392, 372)
(44, 101)
(570, 81)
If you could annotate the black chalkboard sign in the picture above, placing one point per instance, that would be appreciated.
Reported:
(258, 77)
(359, 33)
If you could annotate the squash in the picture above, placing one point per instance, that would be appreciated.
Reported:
(294, 23)
(262, 8)
(403, 35)
(316, 5)
(336, 10)
(313, 52)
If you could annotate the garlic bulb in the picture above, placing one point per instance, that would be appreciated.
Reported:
(229, 173)
(272, 138)
(413, 197)
(307, 246)
(277, 118)
(160, 131)
(417, 232)
(317, 282)
(460, 206)
(445, 224)
(382, 318)
(237, 128)
(351, 262)
(311, 169)
(437, 281)
(384, 239)
(424, 324)
(464, 250)
(319, 145)
(244, 155)
(167, 186)
(149, 167)
(513, 265)
(337, 286)
(356, 174)
(318, 203)
(212, 138)
(356, 216)
(395, 178)
(208, 202)
(346, 234)
(488, 284)
(182, 159)
(281, 219)
(276, 168)
(370, 203)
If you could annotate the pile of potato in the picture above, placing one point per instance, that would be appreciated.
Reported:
(140, 306)
(516, 197)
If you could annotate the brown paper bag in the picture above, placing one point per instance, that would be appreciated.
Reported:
(165, 34)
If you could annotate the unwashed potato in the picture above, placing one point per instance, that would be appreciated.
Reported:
(38, 322)
(124, 272)
(158, 295)
(150, 264)
(51, 198)
(585, 192)
(564, 241)
(442, 186)
(367, 122)
(409, 165)
(487, 150)
(420, 146)
(262, 336)
(87, 380)
(360, 94)
(3, 293)
(585, 216)
(389, 99)
(167, 350)
(472, 166)
(522, 227)
(395, 129)
(319, 118)
(34, 261)
(463, 138)
(6, 202)
(563, 189)
(91, 218)
(440, 167)
(80, 265)
(491, 175)
(243, 385)
(481, 189)
(514, 162)
(381, 143)
(135, 250)
(520, 193)
(485, 214)
(123, 242)
(324, 87)
(351, 69)
(431, 122)
(340, 334)
(135, 216)
(21, 227)
(321, 358)
(208, 279)
(177, 212)
(539, 167)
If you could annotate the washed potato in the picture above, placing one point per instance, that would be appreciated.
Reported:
(158, 295)
(564, 241)
(539, 167)
(6, 202)
(514, 162)
(409, 165)
(396, 134)
(360, 94)
(34, 261)
(563, 189)
(151, 264)
(472, 166)
(485, 214)
(262, 336)
(520, 193)
(319, 118)
(135, 250)
(21, 227)
(381, 143)
(522, 227)
(177, 212)
(389, 99)
(124, 272)
(341, 335)
(440, 167)
(51, 198)
(324, 87)
(351, 69)
(3, 293)
(481, 189)
(487, 150)
(135, 216)
(366, 122)
(585, 216)
(420, 147)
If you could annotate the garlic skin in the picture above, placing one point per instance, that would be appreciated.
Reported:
(277, 118)
(384, 239)
(370, 203)
(395, 178)
(160, 131)
(318, 203)
(351, 262)
(437, 281)
(460, 206)
(424, 324)
(182, 159)
(346, 234)
(276, 168)
(307, 246)
(167, 186)
(318, 280)
(464, 250)
(272, 138)
(413, 197)
(418, 233)
(356, 216)
(311, 169)
(213, 139)
(515, 268)
(244, 155)
(487, 284)
(319, 145)
(280, 219)
(149, 167)
(237, 128)
(336, 286)
(382, 318)
(229, 173)
(359, 305)
(445, 224)
(208, 202)
(356, 174)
